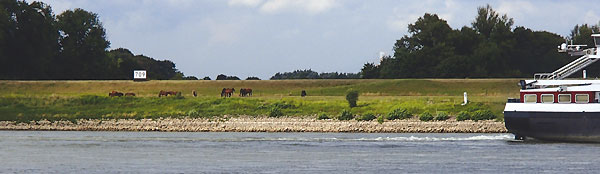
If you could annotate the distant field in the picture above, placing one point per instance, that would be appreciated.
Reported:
(33, 100)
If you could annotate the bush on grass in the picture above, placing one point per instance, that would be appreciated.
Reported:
(483, 115)
(275, 112)
(366, 117)
(399, 113)
(426, 116)
(441, 116)
(346, 115)
(322, 116)
(463, 115)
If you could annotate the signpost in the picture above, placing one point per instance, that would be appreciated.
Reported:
(139, 75)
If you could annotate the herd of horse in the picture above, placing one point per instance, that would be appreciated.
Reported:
(244, 92)
(120, 94)
(226, 92)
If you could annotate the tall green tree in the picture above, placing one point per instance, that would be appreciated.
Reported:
(84, 44)
(28, 40)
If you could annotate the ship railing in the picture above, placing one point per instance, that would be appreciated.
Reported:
(542, 76)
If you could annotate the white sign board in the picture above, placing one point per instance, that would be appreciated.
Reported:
(139, 74)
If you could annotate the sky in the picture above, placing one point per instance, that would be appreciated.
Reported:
(262, 37)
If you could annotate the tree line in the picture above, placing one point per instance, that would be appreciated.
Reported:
(37, 44)
(310, 74)
(490, 47)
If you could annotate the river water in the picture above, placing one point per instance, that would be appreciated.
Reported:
(185, 152)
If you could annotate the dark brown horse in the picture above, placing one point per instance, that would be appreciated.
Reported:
(226, 92)
(162, 93)
(115, 94)
(245, 92)
(194, 93)
(166, 93)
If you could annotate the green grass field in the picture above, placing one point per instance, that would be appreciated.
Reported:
(60, 100)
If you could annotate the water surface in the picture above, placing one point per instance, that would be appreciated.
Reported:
(185, 152)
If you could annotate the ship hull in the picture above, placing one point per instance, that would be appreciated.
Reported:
(554, 126)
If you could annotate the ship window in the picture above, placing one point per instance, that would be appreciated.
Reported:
(582, 98)
(530, 98)
(564, 98)
(547, 98)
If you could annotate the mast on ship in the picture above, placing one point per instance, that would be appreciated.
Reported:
(588, 57)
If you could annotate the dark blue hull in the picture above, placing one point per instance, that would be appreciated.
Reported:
(554, 126)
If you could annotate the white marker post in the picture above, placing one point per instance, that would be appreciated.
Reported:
(465, 99)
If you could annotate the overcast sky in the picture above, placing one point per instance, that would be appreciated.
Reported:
(263, 37)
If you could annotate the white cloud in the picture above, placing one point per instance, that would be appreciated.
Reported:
(249, 3)
(309, 6)
(591, 17)
(280, 6)
(221, 32)
(451, 11)
(517, 9)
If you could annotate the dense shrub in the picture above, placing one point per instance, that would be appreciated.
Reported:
(463, 115)
(275, 112)
(283, 105)
(426, 116)
(193, 113)
(483, 115)
(399, 113)
(322, 116)
(352, 97)
(346, 115)
(366, 117)
(380, 119)
(441, 116)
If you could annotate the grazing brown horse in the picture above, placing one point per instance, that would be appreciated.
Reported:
(115, 94)
(226, 92)
(172, 93)
(303, 93)
(194, 93)
(130, 94)
(166, 93)
(245, 92)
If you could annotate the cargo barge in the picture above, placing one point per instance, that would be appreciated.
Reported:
(554, 109)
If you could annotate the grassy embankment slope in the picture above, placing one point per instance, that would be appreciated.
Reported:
(68, 100)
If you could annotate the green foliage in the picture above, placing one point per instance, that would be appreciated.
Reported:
(483, 115)
(56, 100)
(352, 97)
(399, 113)
(322, 116)
(346, 115)
(442, 116)
(252, 78)
(193, 113)
(36, 44)
(275, 112)
(366, 117)
(463, 115)
(310, 74)
(488, 48)
(225, 77)
(425, 116)
(380, 119)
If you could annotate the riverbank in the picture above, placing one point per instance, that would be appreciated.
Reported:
(260, 124)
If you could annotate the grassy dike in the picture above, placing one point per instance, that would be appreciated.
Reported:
(24, 101)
